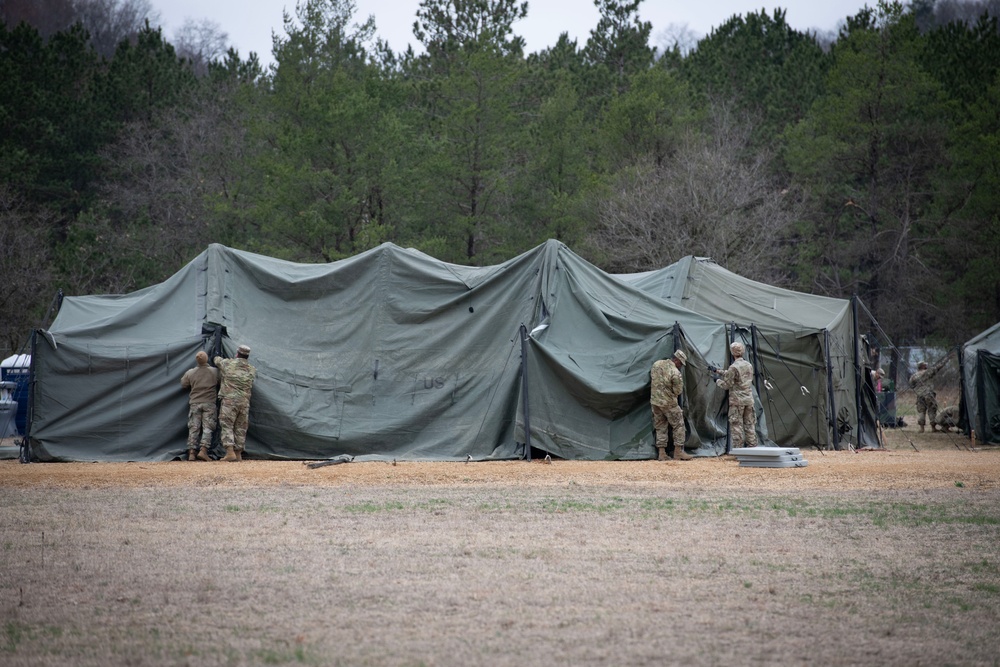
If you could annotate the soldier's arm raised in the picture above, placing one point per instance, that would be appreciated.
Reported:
(938, 366)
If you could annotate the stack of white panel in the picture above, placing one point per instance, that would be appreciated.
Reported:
(769, 457)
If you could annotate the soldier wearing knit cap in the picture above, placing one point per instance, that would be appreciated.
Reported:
(237, 384)
(666, 387)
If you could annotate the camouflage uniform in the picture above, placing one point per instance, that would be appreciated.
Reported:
(948, 418)
(237, 384)
(202, 382)
(738, 380)
(922, 386)
(666, 386)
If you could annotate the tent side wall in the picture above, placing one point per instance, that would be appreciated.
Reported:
(797, 401)
(106, 382)
(126, 401)
(396, 356)
(980, 376)
(388, 354)
(596, 406)
(987, 397)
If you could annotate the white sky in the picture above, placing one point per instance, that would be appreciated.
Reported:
(249, 23)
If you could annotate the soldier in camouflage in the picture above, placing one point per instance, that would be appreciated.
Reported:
(237, 384)
(922, 386)
(947, 419)
(666, 387)
(738, 380)
(201, 382)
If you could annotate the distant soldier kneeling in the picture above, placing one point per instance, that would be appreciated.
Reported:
(948, 418)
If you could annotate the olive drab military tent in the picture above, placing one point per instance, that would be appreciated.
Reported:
(388, 354)
(979, 405)
(812, 362)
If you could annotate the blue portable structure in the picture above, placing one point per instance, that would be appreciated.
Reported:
(16, 369)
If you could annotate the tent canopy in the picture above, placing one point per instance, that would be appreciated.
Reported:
(395, 354)
(701, 285)
(980, 385)
(806, 349)
(389, 354)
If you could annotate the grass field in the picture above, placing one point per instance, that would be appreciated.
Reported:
(869, 558)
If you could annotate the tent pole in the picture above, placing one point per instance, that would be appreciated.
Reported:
(756, 369)
(524, 393)
(678, 337)
(216, 342)
(858, 368)
(677, 345)
(962, 402)
(983, 433)
(756, 358)
(832, 416)
(731, 335)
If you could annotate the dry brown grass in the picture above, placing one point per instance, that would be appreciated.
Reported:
(881, 558)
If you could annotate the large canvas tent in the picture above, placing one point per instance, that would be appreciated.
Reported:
(980, 379)
(810, 354)
(389, 354)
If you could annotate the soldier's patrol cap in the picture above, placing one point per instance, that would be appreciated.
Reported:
(680, 356)
(244, 350)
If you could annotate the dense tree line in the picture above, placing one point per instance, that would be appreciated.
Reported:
(865, 164)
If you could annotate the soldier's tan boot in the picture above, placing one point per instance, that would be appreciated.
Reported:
(203, 454)
(230, 454)
(934, 428)
(191, 455)
(239, 454)
(921, 428)
(662, 455)
(680, 454)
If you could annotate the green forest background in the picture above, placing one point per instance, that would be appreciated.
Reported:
(867, 163)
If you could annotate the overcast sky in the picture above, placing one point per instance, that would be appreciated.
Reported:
(249, 23)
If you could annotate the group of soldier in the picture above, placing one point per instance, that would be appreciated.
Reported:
(229, 382)
(667, 385)
(927, 407)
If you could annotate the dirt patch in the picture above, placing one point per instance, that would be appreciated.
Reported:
(911, 460)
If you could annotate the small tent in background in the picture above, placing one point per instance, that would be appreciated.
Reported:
(980, 379)
(811, 355)
(388, 354)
